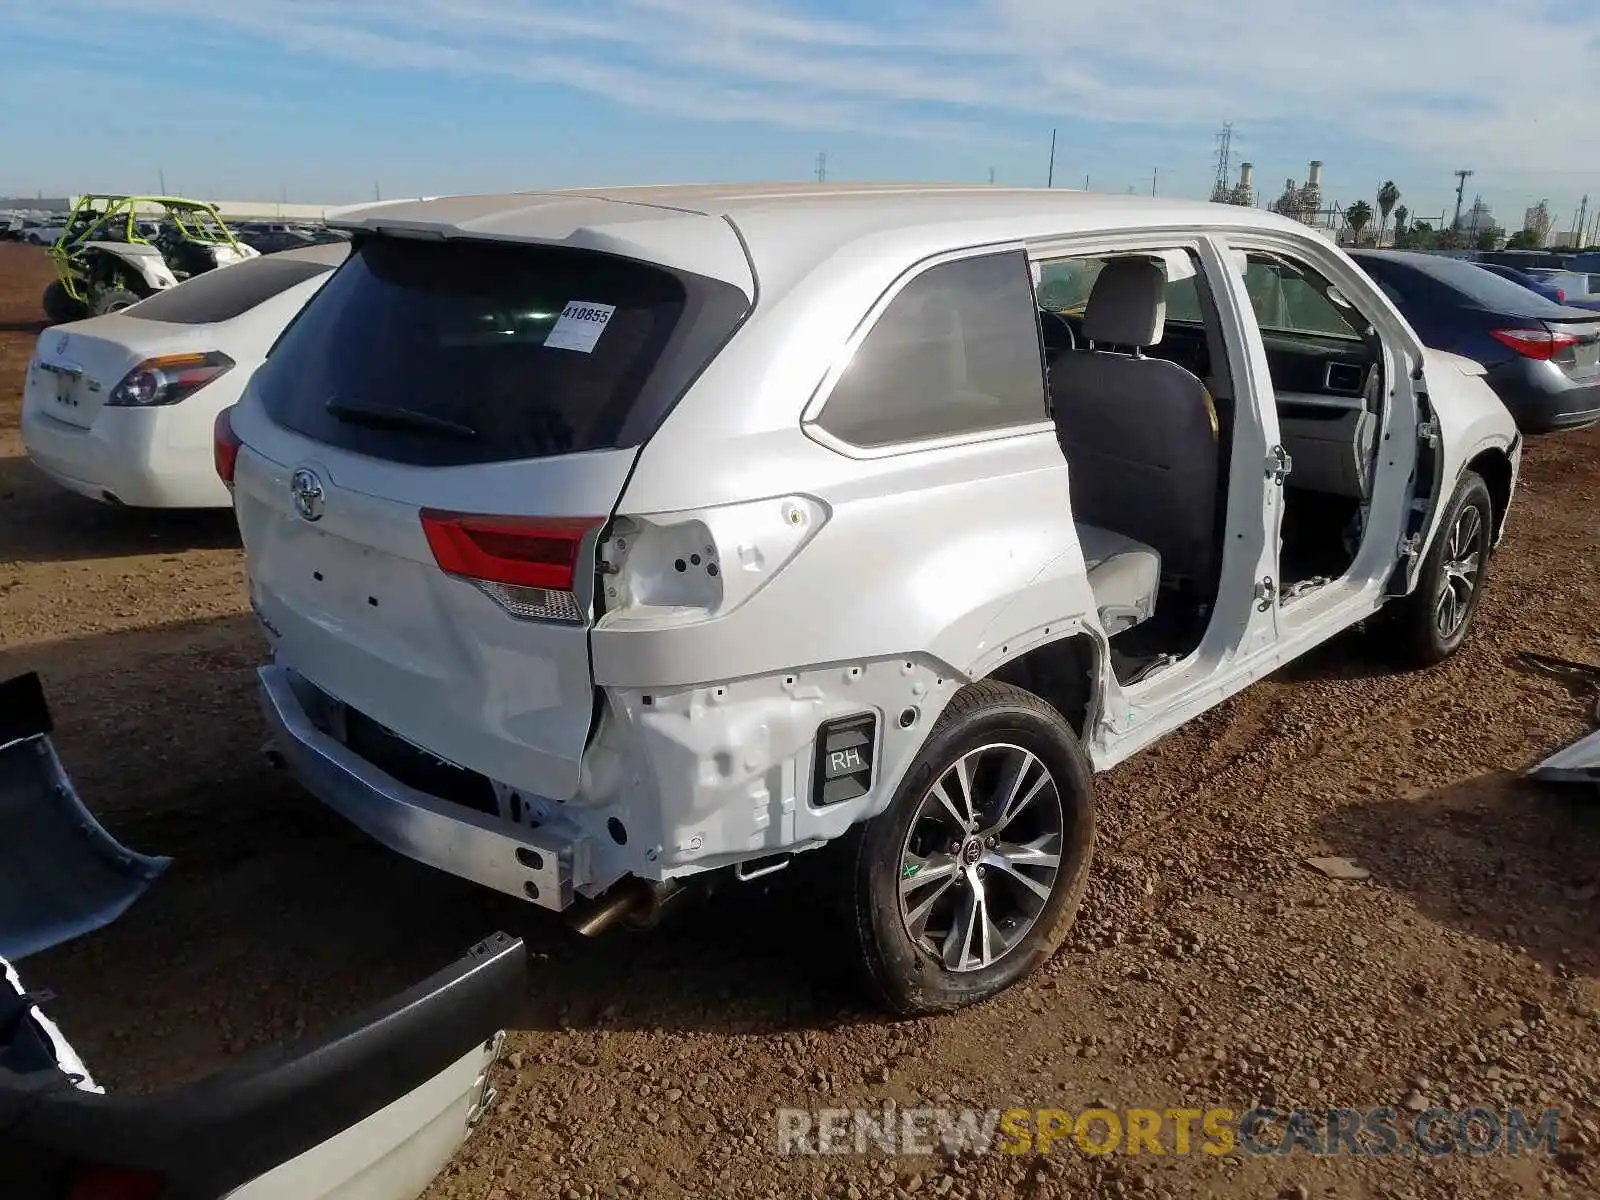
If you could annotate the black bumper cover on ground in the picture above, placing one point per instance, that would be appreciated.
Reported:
(208, 1137)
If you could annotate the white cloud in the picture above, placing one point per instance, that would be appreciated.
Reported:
(1428, 78)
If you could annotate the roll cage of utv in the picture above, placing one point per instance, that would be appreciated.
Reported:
(105, 258)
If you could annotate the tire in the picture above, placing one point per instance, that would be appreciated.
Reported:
(1428, 628)
(994, 730)
(112, 299)
(59, 306)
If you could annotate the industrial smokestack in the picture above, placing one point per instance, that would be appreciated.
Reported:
(1247, 176)
(1315, 178)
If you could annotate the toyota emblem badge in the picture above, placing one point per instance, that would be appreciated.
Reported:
(306, 489)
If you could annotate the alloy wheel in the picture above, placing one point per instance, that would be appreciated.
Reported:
(1459, 572)
(981, 857)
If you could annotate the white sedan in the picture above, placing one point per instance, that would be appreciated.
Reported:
(120, 408)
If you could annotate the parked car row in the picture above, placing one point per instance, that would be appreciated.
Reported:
(271, 237)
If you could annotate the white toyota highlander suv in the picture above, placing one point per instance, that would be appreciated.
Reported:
(608, 539)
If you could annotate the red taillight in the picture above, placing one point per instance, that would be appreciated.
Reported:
(528, 565)
(115, 1183)
(224, 446)
(1541, 344)
(1561, 296)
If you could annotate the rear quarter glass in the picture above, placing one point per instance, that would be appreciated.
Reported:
(505, 351)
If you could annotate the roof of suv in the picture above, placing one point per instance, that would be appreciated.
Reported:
(788, 228)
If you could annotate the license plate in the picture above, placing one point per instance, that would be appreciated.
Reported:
(63, 378)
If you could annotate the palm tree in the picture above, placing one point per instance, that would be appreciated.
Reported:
(1358, 216)
(1388, 197)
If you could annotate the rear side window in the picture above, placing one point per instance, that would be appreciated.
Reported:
(444, 353)
(955, 352)
(227, 292)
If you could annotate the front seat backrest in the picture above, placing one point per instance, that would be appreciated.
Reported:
(1140, 434)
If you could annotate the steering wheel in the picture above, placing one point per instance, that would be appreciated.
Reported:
(1057, 333)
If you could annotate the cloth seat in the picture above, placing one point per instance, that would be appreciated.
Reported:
(1124, 576)
(1140, 435)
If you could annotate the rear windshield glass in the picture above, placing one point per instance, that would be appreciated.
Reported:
(454, 352)
(1485, 289)
(227, 292)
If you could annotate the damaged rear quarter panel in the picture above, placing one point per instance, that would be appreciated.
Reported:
(929, 569)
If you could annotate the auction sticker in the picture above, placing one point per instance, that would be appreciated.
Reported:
(580, 326)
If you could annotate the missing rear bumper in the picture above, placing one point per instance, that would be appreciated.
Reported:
(518, 861)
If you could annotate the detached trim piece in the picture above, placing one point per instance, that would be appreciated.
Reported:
(61, 873)
(1577, 763)
(210, 1137)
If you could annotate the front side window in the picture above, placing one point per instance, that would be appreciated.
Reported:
(956, 352)
(1290, 298)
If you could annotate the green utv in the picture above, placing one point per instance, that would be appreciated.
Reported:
(116, 250)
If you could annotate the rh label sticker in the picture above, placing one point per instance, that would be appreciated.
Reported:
(580, 326)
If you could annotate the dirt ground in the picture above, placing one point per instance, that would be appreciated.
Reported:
(1210, 967)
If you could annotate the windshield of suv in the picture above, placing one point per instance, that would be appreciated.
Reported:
(456, 352)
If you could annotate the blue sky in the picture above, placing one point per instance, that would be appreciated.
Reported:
(324, 100)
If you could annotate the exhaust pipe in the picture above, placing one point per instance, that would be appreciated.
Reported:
(635, 901)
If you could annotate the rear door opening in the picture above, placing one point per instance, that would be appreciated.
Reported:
(431, 453)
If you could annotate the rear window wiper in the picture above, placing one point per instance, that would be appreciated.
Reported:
(387, 416)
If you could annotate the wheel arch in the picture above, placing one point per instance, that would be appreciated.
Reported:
(1066, 672)
(1495, 467)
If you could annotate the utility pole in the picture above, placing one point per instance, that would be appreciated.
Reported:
(376, 195)
(991, 175)
(822, 166)
(1086, 182)
(1461, 191)
(1583, 222)
(1050, 177)
(162, 175)
(1154, 172)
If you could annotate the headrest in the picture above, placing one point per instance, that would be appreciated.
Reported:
(1128, 304)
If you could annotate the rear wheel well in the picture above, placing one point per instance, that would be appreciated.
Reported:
(1495, 468)
(105, 270)
(1062, 673)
